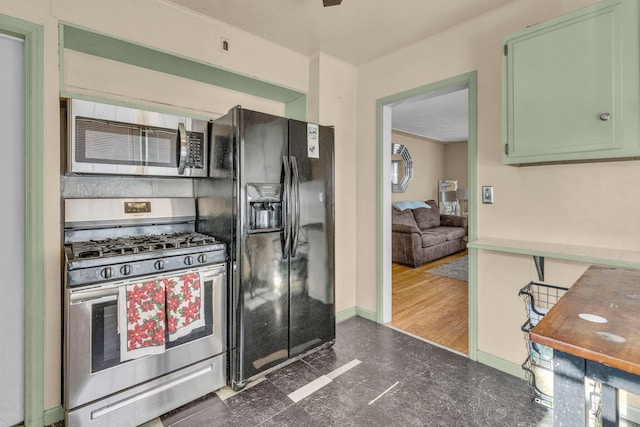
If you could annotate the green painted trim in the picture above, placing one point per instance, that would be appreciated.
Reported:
(470, 81)
(34, 229)
(367, 314)
(472, 171)
(351, 312)
(347, 314)
(61, 65)
(53, 415)
(473, 303)
(297, 109)
(567, 256)
(501, 364)
(104, 46)
(34, 224)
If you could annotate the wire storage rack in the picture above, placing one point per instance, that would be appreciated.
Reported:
(539, 298)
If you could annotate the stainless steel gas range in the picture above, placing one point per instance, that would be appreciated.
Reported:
(145, 310)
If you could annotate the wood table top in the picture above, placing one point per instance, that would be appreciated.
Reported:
(598, 319)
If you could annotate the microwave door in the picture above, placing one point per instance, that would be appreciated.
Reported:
(108, 139)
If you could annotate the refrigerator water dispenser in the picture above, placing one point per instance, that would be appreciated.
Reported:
(265, 207)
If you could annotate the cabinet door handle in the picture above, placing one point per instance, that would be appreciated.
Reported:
(605, 117)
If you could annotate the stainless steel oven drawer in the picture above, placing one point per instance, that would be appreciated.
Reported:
(141, 403)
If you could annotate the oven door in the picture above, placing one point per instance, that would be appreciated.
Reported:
(93, 368)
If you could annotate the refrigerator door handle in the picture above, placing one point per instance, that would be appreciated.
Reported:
(286, 208)
(296, 212)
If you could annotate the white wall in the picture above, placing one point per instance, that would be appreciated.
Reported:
(332, 101)
(92, 75)
(586, 204)
(456, 163)
(432, 161)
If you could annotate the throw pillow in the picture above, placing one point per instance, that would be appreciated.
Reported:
(401, 206)
(404, 218)
(427, 218)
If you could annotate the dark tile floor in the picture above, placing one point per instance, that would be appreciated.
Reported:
(434, 387)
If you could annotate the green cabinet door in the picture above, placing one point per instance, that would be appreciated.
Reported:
(570, 87)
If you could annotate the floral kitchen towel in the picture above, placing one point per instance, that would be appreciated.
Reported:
(185, 304)
(141, 319)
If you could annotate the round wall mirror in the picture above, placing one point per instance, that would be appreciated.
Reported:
(401, 168)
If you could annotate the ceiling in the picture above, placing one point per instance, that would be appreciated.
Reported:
(359, 31)
(443, 117)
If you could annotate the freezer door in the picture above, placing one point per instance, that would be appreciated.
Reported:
(311, 282)
(261, 282)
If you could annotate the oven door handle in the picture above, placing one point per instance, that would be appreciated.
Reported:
(81, 299)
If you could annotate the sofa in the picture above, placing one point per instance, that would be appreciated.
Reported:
(422, 234)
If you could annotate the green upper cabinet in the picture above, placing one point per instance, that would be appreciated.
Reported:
(571, 87)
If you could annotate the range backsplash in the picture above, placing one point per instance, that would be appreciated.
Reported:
(90, 186)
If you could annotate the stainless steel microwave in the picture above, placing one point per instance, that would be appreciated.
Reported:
(111, 139)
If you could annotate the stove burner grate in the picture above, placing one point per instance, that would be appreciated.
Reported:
(139, 244)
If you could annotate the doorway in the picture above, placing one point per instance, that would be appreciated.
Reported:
(12, 86)
(29, 141)
(384, 125)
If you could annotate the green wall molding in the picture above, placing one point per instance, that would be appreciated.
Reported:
(33, 36)
(347, 314)
(53, 415)
(468, 80)
(501, 364)
(354, 311)
(367, 314)
(90, 42)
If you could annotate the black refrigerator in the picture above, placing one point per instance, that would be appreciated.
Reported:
(270, 197)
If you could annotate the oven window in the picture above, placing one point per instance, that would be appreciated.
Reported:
(115, 143)
(105, 345)
(105, 340)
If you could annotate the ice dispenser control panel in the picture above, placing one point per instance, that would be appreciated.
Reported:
(265, 207)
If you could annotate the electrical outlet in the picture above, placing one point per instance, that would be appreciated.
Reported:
(225, 44)
(487, 194)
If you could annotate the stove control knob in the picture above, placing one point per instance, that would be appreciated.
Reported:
(159, 265)
(188, 260)
(202, 258)
(125, 270)
(106, 273)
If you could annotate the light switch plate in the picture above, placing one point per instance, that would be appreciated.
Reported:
(487, 194)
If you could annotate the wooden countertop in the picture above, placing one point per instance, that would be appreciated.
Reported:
(601, 293)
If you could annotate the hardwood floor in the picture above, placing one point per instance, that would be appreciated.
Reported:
(429, 306)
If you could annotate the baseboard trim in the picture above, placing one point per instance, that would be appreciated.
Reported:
(501, 364)
(347, 314)
(53, 415)
(367, 314)
(350, 312)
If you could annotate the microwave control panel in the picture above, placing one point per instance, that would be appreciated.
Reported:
(196, 150)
